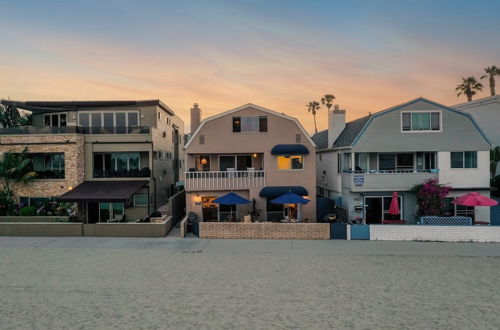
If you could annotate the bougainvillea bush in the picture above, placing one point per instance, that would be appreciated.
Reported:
(430, 197)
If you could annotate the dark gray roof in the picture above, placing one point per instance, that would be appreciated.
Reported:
(321, 139)
(350, 132)
(54, 106)
(346, 138)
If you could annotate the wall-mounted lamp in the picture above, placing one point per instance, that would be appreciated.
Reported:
(197, 199)
(254, 155)
(70, 188)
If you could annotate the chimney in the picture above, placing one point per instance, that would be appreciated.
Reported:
(195, 117)
(336, 124)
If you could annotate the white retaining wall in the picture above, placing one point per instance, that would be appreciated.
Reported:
(435, 233)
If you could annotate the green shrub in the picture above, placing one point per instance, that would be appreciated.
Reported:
(28, 211)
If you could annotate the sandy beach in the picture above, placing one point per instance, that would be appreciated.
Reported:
(103, 283)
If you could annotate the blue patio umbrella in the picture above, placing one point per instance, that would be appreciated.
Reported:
(290, 198)
(231, 199)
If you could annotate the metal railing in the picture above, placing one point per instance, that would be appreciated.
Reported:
(399, 171)
(26, 130)
(224, 180)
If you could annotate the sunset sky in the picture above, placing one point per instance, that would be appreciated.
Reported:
(222, 54)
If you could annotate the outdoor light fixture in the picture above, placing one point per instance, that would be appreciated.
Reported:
(70, 188)
(197, 199)
(254, 155)
(203, 161)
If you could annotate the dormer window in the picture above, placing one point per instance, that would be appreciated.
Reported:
(421, 121)
(249, 124)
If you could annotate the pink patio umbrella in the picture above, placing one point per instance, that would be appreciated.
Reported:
(474, 199)
(394, 208)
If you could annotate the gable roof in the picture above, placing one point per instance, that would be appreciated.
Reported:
(420, 99)
(54, 106)
(355, 129)
(248, 105)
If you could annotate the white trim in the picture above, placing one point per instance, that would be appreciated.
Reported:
(250, 105)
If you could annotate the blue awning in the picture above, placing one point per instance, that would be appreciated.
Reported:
(273, 192)
(290, 198)
(289, 149)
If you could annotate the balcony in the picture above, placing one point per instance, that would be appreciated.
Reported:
(377, 180)
(224, 180)
(30, 130)
(143, 173)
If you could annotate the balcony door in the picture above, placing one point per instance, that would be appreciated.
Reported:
(377, 209)
(235, 162)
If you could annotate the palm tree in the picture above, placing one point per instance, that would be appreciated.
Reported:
(327, 100)
(491, 71)
(312, 107)
(15, 168)
(494, 160)
(468, 87)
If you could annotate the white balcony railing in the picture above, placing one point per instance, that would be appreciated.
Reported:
(381, 180)
(224, 180)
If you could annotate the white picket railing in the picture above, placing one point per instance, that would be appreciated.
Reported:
(223, 180)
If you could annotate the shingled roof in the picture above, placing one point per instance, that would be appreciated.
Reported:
(346, 138)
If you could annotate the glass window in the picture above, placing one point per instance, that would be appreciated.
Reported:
(347, 162)
(387, 162)
(55, 120)
(435, 121)
(121, 125)
(466, 159)
(249, 124)
(470, 159)
(236, 124)
(104, 212)
(133, 161)
(133, 120)
(420, 121)
(293, 162)
(465, 211)
(406, 121)
(62, 120)
(263, 125)
(46, 120)
(48, 166)
(405, 161)
(83, 120)
(227, 162)
(108, 121)
(361, 161)
(96, 122)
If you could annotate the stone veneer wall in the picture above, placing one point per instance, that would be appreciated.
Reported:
(70, 144)
(265, 230)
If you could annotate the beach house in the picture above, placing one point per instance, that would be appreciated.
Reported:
(364, 161)
(119, 160)
(258, 154)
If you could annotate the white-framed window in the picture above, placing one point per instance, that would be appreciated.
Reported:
(463, 159)
(421, 121)
(291, 162)
(58, 119)
(141, 200)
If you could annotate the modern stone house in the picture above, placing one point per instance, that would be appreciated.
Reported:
(255, 152)
(364, 161)
(116, 159)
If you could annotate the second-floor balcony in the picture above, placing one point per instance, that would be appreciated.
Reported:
(386, 180)
(224, 180)
(131, 173)
(31, 130)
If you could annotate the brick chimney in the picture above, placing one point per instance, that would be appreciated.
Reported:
(336, 124)
(195, 117)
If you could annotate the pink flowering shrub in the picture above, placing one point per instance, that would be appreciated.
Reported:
(430, 197)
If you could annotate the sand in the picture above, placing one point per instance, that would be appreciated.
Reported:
(101, 283)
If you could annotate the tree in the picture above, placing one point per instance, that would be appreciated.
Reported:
(494, 159)
(468, 87)
(15, 168)
(430, 197)
(327, 100)
(11, 117)
(313, 107)
(491, 71)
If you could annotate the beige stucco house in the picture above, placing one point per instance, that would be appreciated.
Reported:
(256, 153)
(116, 159)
